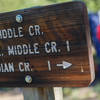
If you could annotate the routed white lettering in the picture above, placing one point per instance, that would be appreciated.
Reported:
(27, 65)
(11, 33)
(35, 30)
(4, 34)
(30, 50)
(31, 32)
(51, 47)
(11, 67)
(24, 49)
(7, 67)
(21, 69)
(10, 50)
(68, 46)
(47, 49)
(24, 67)
(36, 48)
(20, 31)
(19, 50)
(14, 33)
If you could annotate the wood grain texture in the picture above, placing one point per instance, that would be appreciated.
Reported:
(57, 24)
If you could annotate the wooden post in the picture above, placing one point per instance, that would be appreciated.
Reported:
(43, 93)
(38, 94)
(58, 93)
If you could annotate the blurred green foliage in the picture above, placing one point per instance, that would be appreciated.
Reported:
(93, 5)
(9, 5)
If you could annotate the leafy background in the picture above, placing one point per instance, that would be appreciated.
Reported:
(9, 5)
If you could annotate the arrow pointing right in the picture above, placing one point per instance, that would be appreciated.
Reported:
(64, 64)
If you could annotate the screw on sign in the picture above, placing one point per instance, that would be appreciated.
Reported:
(19, 18)
(47, 46)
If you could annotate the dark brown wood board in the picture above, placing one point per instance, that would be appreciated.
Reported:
(46, 46)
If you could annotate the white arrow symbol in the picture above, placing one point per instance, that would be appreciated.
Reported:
(64, 64)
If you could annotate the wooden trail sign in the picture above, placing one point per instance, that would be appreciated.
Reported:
(46, 46)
